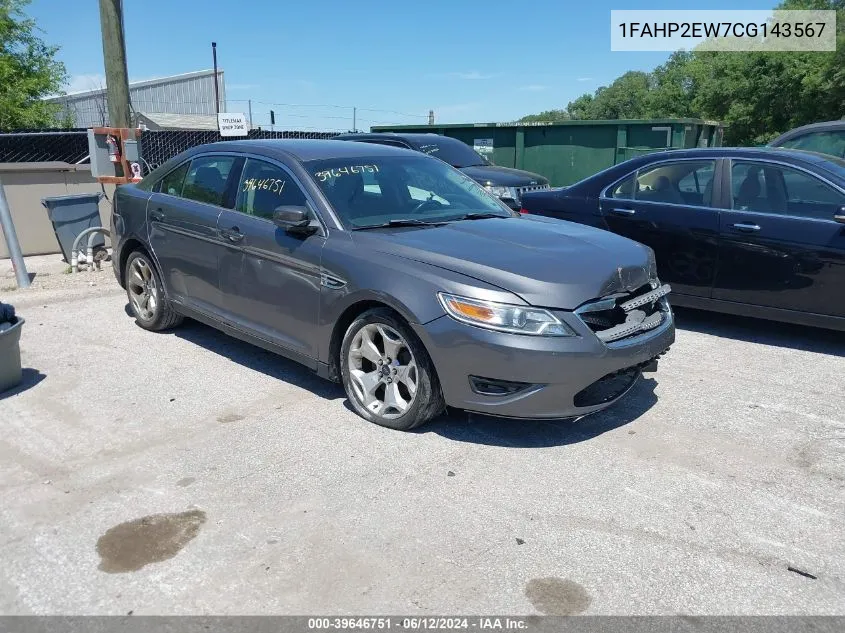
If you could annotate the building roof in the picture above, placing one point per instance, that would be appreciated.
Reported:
(140, 84)
(169, 121)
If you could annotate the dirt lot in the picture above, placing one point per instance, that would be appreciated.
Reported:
(188, 472)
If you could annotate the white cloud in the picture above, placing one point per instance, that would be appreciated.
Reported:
(584, 79)
(533, 88)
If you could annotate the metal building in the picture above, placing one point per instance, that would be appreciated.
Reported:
(190, 93)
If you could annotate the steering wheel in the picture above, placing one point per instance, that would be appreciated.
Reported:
(422, 205)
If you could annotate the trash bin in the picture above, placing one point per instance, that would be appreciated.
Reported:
(10, 355)
(71, 215)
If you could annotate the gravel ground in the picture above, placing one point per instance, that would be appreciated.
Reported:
(189, 473)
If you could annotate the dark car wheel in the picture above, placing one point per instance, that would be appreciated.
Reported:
(387, 373)
(150, 307)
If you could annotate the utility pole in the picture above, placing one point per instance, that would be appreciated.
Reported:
(431, 117)
(114, 57)
(250, 113)
(354, 119)
(216, 95)
(8, 226)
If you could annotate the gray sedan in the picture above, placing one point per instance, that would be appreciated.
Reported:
(393, 273)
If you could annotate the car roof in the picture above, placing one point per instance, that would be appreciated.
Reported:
(303, 150)
(825, 161)
(415, 138)
(824, 126)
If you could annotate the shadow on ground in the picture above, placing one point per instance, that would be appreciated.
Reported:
(454, 425)
(29, 378)
(257, 359)
(808, 339)
(481, 429)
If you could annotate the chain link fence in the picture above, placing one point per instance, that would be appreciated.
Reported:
(68, 146)
(156, 146)
(159, 146)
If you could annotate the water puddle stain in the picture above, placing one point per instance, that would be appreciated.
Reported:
(556, 596)
(230, 417)
(152, 539)
(185, 482)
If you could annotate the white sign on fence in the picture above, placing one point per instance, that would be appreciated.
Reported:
(232, 124)
(483, 146)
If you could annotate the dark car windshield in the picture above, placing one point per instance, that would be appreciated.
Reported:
(370, 191)
(451, 151)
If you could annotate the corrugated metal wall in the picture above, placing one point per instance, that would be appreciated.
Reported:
(192, 93)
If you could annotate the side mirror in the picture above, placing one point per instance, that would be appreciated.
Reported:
(291, 218)
(839, 216)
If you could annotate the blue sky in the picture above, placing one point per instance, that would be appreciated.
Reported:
(468, 60)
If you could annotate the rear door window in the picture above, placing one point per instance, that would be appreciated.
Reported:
(783, 190)
(832, 142)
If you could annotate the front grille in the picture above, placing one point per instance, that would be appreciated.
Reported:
(529, 188)
(607, 388)
(621, 316)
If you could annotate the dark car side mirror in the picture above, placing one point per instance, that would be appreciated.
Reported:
(839, 216)
(294, 219)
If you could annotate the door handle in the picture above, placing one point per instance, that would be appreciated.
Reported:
(622, 211)
(233, 234)
(748, 227)
(157, 215)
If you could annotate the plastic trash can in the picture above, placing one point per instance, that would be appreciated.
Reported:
(71, 215)
(10, 355)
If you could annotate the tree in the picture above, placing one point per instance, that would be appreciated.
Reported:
(548, 116)
(672, 88)
(29, 71)
(758, 95)
(581, 108)
(625, 98)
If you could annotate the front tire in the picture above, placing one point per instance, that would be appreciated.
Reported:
(387, 373)
(149, 306)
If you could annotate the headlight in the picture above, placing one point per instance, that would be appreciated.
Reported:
(504, 317)
(652, 265)
(503, 192)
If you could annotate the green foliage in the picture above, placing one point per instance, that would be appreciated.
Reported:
(28, 71)
(547, 116)
(759, 95)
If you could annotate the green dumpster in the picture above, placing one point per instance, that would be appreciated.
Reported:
(567, 151)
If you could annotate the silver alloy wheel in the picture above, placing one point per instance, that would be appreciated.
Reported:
(383, 370)
(143, 290)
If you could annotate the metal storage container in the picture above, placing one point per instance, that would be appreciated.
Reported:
(567, 151)
(10, 355)
(71, 215)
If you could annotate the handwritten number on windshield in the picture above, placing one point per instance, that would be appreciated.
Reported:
(337, 172)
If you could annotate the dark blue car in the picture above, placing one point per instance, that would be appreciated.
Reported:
(757, 232)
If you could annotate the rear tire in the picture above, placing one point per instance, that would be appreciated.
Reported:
(147, 300)
(387, 373)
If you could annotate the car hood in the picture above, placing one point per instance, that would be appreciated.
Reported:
(503, 176)
(547, 262)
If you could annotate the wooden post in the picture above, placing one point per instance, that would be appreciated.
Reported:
(114, 57)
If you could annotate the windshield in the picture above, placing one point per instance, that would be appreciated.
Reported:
(372, 191)
(451, 151)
